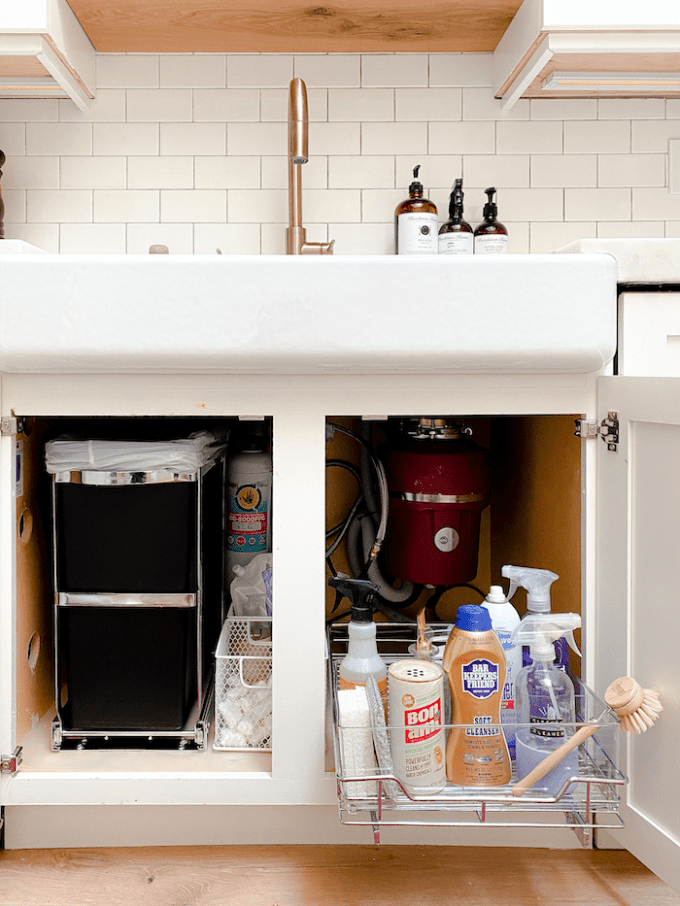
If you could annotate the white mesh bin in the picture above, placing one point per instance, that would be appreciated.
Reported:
(243, 685)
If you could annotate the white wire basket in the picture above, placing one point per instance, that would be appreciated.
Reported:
(243, 685)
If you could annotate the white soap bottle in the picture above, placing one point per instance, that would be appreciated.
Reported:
(504, 619)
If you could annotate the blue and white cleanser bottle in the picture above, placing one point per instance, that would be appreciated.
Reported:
(504, 619)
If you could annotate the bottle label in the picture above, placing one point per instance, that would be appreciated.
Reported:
(417, 233)
(545, 727)
(247, 527)
(456, 243)
(480, 678)
(491, 244)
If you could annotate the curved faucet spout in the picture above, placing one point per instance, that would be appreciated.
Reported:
(298, 154)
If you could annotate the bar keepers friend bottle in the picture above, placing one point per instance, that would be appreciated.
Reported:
(474, 662)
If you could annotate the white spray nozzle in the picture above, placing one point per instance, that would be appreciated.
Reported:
(540, 630)
(496, 595)
(537, 583)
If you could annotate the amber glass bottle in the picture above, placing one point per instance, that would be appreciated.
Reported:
(456, 236)
(415, 222)
(491, 237)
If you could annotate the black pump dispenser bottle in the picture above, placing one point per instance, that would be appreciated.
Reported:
(491, 237)
(456, 236)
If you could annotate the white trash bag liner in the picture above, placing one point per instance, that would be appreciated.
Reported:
(187, 454)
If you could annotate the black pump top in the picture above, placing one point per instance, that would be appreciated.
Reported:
(360, 594)
(456, 202)
(490, 208)
(416, 187)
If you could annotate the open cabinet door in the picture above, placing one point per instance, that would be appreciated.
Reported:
(638, 601)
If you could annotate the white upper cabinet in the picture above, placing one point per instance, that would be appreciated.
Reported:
(589, 48)
(44, 52)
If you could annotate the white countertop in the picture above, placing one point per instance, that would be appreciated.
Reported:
(637, 260)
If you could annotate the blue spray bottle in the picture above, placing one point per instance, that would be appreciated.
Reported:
(537, 583)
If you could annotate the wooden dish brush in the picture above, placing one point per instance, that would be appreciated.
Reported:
(636, 708)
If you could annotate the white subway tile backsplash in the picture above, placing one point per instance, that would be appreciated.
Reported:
(125, 138)
(529, 138)
(587, 137)
(126, 205)
(192, 70)
(256, 138)
(328, 70)
(58, 138)
(356, 172)
(259, 70)
(160, 172)
(393, 138)
(418, 104)
(480, 104)
(193, 205)
(229, 238)
(225, 105)
(462, 138)
(632, 170)
(461, 69)
(192, 147)
(127, 70)
(92, 238)
(31, 173)
(13, 139)
(159, 105)
(193, 138)
(93, 172)
(23, 110)
(579, 170)
(178, 237)
(59, 206)
(107, 107)
(548, 237)
(597, 204)
(509, 170)
(563, 109)
(227, 172)
(394, 70)
(360, 104)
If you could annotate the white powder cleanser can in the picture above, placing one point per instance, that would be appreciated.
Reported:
(415, 689)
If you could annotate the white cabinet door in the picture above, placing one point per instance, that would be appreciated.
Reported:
(638, 601)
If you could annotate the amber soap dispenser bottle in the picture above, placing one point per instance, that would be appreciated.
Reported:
(491, 237)
(456, 236)
(415, 222)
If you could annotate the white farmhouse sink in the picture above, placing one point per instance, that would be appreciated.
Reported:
(276, 314)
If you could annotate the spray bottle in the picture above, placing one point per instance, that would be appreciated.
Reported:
(362, 659)
(545, 699)
(456, 236)
(537, 583)
(504, 619)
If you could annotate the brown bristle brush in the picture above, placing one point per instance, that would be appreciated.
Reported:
(636, 708)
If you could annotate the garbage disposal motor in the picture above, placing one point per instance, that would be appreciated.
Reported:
(439, 484)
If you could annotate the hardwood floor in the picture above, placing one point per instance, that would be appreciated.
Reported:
(327, 876)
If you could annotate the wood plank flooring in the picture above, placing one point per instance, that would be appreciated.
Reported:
(327, 876)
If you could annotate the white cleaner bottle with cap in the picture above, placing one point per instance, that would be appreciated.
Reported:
(545, 699)
(537, 583)
(504, 619)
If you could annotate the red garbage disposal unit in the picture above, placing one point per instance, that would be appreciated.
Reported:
(439, 484)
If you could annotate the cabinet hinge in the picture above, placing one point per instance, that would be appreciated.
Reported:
(607, 429)
(9, 764)
(11, 425)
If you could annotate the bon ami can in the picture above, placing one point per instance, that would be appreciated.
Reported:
(416, 721)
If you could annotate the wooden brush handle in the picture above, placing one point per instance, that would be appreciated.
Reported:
(552, 760)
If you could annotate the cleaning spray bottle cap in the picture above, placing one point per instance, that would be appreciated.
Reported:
(473, 618)
(540, 630)
(496, 595)
(490, 208)
(416, 187)
(359, 593)
(537, 583)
